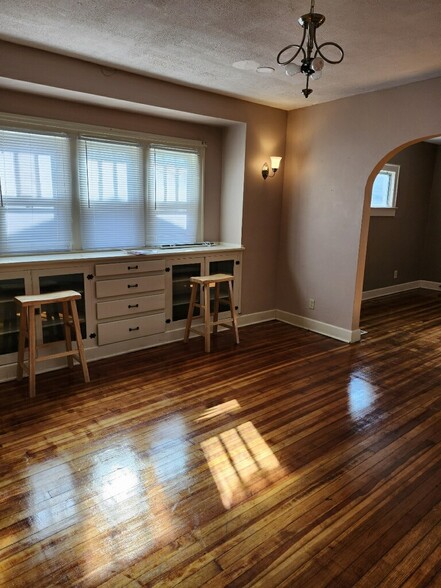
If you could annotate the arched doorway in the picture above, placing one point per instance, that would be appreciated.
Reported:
(394, 249)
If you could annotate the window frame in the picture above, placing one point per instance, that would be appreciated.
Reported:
(76, 132)
(394, 170)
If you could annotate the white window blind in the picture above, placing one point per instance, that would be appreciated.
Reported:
(64, 189)
(174, 195)
(111, 194)
(35, 192)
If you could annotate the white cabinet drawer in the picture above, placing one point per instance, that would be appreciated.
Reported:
(131, 328)
(133, 285)
(129, 267)
(114, 308)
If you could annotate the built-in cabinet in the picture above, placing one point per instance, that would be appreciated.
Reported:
(179, 270)
(130, 300)
(125, 304)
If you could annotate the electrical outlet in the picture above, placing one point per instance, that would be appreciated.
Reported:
(311, 303)
(395, 274)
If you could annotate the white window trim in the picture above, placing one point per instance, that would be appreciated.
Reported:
(388, 210)
(384, 211)
(31, 122)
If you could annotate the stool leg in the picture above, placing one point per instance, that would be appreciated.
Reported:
(67, 333)
(32, 350)
(207, 324)
(194, 290)
(79, 338)
(233, 310)
(21, 342)
(216, 306)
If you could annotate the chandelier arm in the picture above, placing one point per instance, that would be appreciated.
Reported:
(300, 48)
(327, 44)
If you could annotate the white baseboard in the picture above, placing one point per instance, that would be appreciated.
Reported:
(395, 289)
(430, 285)
(256, 317)
(345, 335)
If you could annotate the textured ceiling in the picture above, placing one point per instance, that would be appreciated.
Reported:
(194, 42)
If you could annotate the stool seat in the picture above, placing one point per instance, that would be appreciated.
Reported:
(48, 298)
(205, 283)
(28, 306)
(212, 279)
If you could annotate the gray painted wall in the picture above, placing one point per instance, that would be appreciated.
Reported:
(431, 266)
(398, 243)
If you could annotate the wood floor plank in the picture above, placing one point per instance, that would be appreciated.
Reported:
(288, 460)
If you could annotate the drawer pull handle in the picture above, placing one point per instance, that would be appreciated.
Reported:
(129, 267)
(132, 285)
(134, 329)
(133, 305)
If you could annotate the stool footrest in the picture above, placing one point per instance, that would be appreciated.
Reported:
(200, 330)
(73, 353)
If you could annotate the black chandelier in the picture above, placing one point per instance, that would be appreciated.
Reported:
(313, 57)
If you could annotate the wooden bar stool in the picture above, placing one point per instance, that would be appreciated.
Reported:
(28, 306)
(206, 283)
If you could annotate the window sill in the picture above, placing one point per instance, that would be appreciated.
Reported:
(383, 211)
(94, 256)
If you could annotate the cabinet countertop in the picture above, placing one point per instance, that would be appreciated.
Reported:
(115, 255)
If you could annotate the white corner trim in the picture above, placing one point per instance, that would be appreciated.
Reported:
(368, 294)
(332, 331)
(256, 317)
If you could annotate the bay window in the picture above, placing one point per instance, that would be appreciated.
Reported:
(63, 191)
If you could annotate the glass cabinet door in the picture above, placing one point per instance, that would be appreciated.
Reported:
(226, 265)
(52, 314)
(181, 291)
(9, 316)
(221, 266)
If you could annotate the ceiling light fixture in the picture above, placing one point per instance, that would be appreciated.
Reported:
(313, 57)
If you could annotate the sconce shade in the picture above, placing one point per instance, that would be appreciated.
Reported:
(275, 164)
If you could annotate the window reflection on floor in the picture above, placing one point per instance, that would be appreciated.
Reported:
(219, 409)
(241, 463)
(52, 497)
(361, 397)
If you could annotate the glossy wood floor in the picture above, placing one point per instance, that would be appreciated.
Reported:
(290, 460)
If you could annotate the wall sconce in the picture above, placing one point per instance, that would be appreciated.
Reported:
(275, 164)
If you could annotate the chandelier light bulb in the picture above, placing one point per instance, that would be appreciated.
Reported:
(316, 75)
(292, 69)
(317, 64)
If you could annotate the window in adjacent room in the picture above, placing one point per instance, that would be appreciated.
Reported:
(384, 191)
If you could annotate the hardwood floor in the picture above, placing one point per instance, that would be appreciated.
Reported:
(289, 460)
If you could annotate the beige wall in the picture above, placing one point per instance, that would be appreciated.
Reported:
(333, 150)
(246, 194)
(396, 243)
(314, 241)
